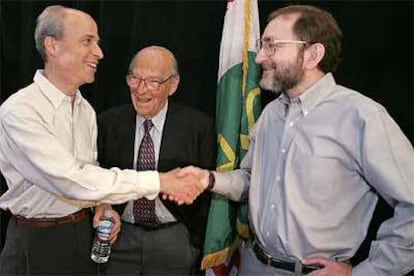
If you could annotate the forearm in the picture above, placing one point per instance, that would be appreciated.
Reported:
(233, 185)
(387, 160)
(112, 186)
(393, 251)
(44, 161)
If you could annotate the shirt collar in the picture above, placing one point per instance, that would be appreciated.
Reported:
(54, 95)
(312, 96)
(158, 120)
(317, 92)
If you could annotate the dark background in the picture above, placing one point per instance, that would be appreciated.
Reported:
(377, 52)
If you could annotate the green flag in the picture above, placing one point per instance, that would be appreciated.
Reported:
(238, 107)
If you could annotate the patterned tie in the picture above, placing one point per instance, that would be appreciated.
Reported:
(144, 209)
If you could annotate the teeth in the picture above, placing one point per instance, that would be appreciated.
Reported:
(144, 100)
(94, 65)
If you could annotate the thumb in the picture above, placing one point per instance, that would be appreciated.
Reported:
(185, 171)
(96, 220)
(176, 170)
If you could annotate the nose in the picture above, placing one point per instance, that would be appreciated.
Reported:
(97, 51)
(139, 88)
(260, 57)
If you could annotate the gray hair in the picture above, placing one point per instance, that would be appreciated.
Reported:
(49, 23)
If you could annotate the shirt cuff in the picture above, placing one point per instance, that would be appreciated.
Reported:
(364, 268)
(149, 183)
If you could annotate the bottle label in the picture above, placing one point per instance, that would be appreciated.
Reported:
(104, 229)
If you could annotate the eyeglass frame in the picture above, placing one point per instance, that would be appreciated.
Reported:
(138, 80)
(275, 42)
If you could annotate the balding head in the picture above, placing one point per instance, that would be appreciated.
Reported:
(157, 55)
(51, 23)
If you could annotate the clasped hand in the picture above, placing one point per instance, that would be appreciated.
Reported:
(183, 185)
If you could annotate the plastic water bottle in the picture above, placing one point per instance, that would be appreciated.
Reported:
(101, 248)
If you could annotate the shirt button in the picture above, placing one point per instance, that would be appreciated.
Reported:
(283, 150)
(305, 112)
(267, 233)
(278, 178)
(291, 124)
(273, 206)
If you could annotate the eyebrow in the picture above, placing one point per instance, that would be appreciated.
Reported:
(269, 37)
(148, 77)
(92, 37)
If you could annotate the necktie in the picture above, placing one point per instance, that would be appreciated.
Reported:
(144, 209)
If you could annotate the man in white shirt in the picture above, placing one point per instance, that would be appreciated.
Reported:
(48, 156)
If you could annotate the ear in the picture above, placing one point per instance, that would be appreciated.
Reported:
(174, 85)
(313, 55)
(51, 46)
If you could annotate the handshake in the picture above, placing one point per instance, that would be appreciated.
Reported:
(183, 185)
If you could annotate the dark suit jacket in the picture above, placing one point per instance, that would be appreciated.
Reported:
(188, 138)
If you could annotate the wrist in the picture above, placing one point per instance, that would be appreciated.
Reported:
(103, 206)
(211, 181)
(163, 179)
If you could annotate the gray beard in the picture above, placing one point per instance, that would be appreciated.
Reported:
(271, 86)
(288, 81)
(277, 87)
(290, 77)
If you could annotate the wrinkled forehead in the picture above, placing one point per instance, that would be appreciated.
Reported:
(153, 62)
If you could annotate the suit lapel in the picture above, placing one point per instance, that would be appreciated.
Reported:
(127, 138)
(170, 142)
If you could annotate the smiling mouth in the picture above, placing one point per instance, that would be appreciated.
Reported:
(143, 101)
(92, 65)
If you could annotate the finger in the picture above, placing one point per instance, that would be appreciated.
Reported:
(196, 190)
(116, 228)
(189, 199)
(316, 260)
(176, 170)
(189, 202)
(113, 239)
(97, 217)
(117, 224)
(114, 232)
(179, 199)
(184, 171)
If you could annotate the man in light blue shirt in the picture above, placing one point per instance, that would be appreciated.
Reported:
(320, 156)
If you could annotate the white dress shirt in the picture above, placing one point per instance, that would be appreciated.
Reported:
(48, 156)
(158, 120)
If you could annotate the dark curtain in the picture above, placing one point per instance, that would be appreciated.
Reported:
(377, 52)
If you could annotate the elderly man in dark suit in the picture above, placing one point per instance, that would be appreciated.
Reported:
(158, 236)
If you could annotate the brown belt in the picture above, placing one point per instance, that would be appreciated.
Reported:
(49, 222)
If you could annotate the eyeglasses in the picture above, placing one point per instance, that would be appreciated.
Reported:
(152, 83)
(270, 44)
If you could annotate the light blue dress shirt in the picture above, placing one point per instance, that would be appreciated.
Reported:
(313, 172)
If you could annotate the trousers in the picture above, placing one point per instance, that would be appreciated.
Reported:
(61, 249)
